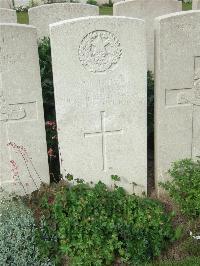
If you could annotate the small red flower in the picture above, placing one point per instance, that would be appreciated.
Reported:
(51, 200)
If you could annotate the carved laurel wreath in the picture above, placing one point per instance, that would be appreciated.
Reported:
(99, 51)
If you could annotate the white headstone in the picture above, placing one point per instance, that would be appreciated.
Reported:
(147, 10)
(100, 95)
(44, 15)
(195, 4)
(8, 15)
(177, 102)
(6, 4)
(23, 155)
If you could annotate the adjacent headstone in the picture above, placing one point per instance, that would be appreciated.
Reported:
(177, 101)
(23, 154)
(147, 10)
(44, 15)
(195, 4)
(6, 4)
(100, 93)
(8, 16)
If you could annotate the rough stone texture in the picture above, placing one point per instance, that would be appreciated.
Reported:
(44, 15)
(195, 4)
(8, 16)
(147, 10)
(177, 101)
(6, 4)
(23, 155)
(100, 93)
(117, 1)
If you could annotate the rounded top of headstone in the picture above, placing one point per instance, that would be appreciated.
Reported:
(177, 14)
(100, 46)
(96, 18)
(17, 25)
(61, 5)
(7, 9)
(149, 2)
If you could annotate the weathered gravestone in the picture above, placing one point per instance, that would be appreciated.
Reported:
(147, 10)
(8, 16)
(6, 4)
(195, 4)
(44, 15)
(177, 102)
(23, 156)
(100, 93)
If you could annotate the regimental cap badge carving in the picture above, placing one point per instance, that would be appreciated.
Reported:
(99, 51)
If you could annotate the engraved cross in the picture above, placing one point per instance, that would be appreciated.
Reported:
(102, 134)
(188, 96)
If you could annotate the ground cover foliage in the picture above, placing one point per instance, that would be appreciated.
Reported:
(18, 234)
(95, 225)
(184, 188)
(92, 225)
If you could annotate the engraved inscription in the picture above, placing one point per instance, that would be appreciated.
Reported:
(107, 92)
(102, 134)
(99, 51)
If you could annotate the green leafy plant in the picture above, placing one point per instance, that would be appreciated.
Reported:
(17, 234)
(95, 226)
(115, 177)
(109, 4)
(184, 188)
(92, 2)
